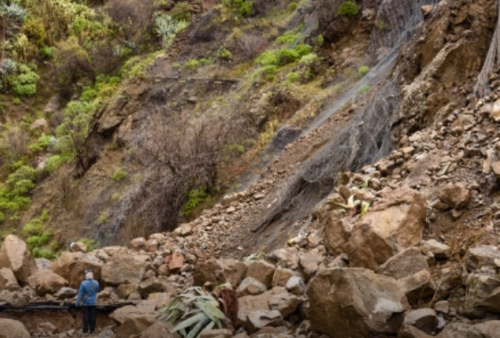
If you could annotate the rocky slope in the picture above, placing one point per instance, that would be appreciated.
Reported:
(406, 246)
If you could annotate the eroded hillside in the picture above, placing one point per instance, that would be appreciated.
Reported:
(322, 168)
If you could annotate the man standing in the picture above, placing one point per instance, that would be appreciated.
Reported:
(87, 299)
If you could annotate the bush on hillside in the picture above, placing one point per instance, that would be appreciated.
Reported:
(182, 11)
(348, 8)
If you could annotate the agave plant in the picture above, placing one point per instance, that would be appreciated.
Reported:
(193, 312)
(9, 65)
(166, 27)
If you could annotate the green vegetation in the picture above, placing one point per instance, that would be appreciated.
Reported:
(192, 312)
(167, 28)
(224, 53)
(348, 8)
(287, 38)
(25, 82)
(363, 70)
(38, 238)
(196, 197)
(243, 7)
(182, 11)
(89, 243)
(119, 175)
(292, 6)
(364, 89)
(193, 63)
(103, 217)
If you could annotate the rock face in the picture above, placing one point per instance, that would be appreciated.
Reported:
(12, 329)
(355, 302)
(397, 222)
(15, 256)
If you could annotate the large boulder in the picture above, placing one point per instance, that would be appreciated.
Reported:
(12, 329)
(355, 302)
(417, 287)
(219, 272)
(77, 269)
(14, 255)
(62, 263)
(7, 280)
(123, 269)
(394, 223)
(135, 324)
(48, 282)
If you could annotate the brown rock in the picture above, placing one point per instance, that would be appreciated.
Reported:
(495, 111)
(78, 247)
(250, 286)
(150, 285)
(7, 280)
(77, 269)
(175, 262)
(425, 320)
(12, 329)
(123, 269)
(408, 331)
(281, 276)
(124, 290)
(261, 318)
(48, 282)
(14, 255)
(135, 324)
(159, 330)
(283, 301)
(62, 263)
(456, 195)
(417, 287)
(483, 256)
(394, 223)
(219, 272)
(309, 262)
(219, 333)
(261, 271)
(137, 244)
(375, 303)
(406, 263)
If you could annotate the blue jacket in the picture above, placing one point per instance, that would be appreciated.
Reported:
(89, 287)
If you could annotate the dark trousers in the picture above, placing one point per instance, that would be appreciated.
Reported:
(88, 312)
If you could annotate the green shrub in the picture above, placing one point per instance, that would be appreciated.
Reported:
(318, 41)
(47, 53)
(364, 89)
(292, 77)
(43, 253)
(269, 72)
(348, 8)
(55, 161)
(21, 181)
(287, 38)
(16, 101)
(89, 243)
(176, 65)
(292, 6)
(41, 144)
(302, 49)
(224, 53)
(267, 58)
(308, 59)
(196, 197)
(119, 175)
(243, 7)
(286, 56)
(182, 11)
(363, 70)
(103, 217)
(193, 63)
(115, 197)
(167, 28)
(25, 83)
(34, 29)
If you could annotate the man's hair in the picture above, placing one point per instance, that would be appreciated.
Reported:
(89, 274)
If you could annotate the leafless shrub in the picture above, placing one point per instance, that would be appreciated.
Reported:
(133, 17)
(15, 143)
